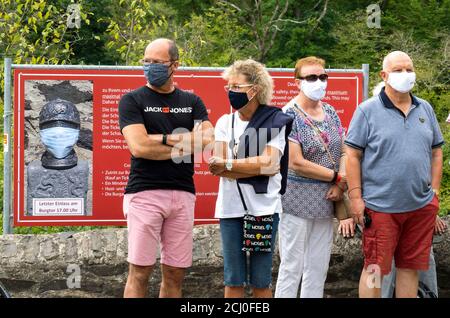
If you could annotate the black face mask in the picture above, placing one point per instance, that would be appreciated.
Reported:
(238, 99)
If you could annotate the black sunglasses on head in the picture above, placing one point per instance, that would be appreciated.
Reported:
(314, 77)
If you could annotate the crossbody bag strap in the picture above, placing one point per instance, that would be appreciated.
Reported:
(242, 197)
(232, 145)
(317, 131)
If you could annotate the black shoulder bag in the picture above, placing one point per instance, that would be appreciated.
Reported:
(257, 229)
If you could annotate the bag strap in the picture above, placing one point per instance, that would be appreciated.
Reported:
(316, 131)
(242, 197)
(232, 145)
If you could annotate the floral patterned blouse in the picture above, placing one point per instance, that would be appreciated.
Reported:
(305, 197)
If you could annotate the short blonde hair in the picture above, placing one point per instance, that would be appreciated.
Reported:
(255, 73)
(377, 89)
(310, 60)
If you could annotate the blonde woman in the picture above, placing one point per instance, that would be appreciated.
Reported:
(248, 147)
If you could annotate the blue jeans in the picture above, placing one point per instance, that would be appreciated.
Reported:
(239, 269)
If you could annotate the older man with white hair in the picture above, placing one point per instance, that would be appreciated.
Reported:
(394, 170)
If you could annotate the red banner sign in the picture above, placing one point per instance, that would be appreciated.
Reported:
(91, 192)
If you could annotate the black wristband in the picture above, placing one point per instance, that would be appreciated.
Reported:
(334, 177)
(164, 139)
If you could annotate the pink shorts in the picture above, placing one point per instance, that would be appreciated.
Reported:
(160, 216)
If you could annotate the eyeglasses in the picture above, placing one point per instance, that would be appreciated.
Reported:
(149, 61)
(314, 77)
(235, 88)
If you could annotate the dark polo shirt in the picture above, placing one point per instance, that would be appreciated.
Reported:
(396, 161)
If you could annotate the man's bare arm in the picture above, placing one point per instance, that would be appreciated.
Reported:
(220, 150)
(353, 173)
(436, 168)
(191, 142)
(150, 146)
(143, 145)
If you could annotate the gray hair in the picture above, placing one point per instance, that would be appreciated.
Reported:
(173, 51)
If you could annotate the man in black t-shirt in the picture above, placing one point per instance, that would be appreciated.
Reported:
(160, 123)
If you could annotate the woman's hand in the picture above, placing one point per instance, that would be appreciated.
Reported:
(271, 170)
(440, 227)
(216, 165)
(347, 227)
(335, 193)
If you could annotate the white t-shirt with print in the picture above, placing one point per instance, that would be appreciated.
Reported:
(229, 204)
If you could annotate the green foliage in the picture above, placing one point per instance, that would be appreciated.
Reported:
(213, 38)
(131, 25)
(55, 229)
(445, 184)
(399, 31)
(89, 47)
(217, 32)
(1, 190)
(36, 31)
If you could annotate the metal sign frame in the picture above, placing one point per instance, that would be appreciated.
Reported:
(7, 113)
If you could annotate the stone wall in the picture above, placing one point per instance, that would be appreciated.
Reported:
(43, 265)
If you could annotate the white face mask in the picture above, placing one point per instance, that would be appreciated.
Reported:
(59, 140)
(314, 90)
(402, 82)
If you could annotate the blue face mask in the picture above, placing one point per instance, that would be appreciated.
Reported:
(157, 74)
(238, 99)
(59, 141)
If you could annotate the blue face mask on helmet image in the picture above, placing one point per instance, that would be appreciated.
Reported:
(157, 74)
(59, 141)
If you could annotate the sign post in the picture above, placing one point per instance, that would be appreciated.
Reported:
(7, 186)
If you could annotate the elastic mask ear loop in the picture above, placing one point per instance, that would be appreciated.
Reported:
(172, 70)
(252, 96)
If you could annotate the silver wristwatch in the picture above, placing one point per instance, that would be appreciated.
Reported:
(228, 164)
